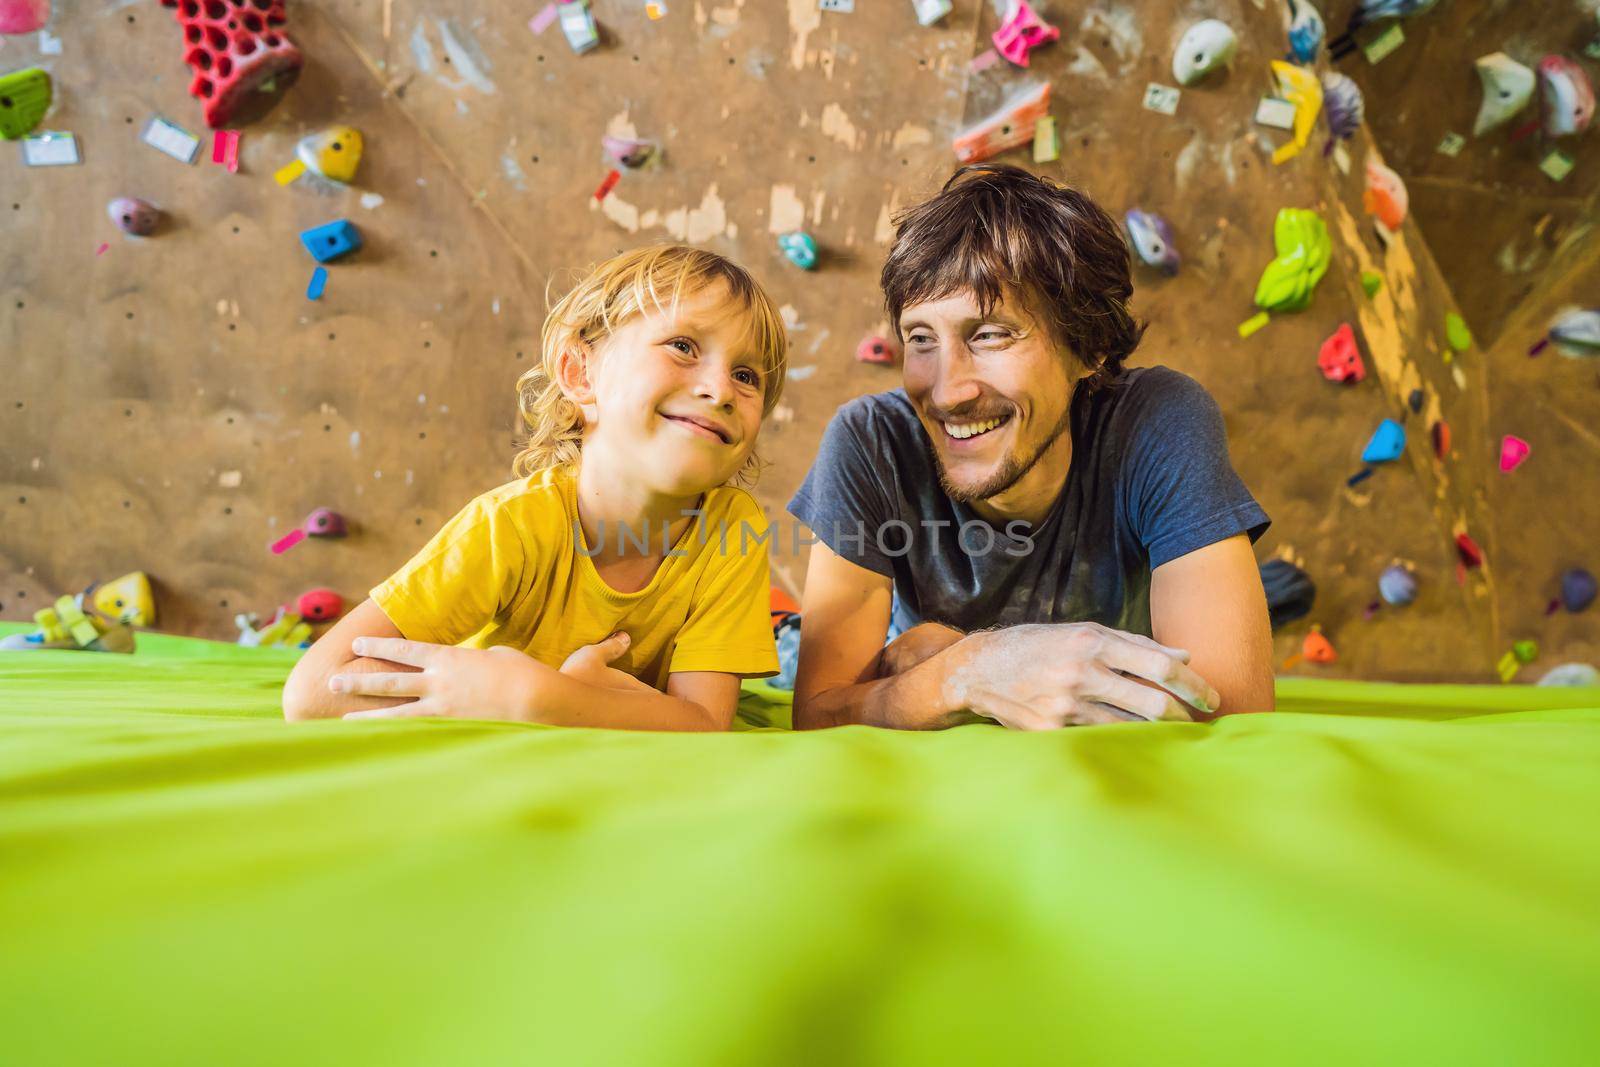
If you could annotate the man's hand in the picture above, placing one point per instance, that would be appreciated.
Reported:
(914, 646)
(1045, 676)
(463, 683)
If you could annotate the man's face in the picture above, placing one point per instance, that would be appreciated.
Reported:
(993, 391)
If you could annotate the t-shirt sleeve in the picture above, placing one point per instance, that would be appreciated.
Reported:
(461, 580)
(729, 628)
(1180, 491)
(843, 499)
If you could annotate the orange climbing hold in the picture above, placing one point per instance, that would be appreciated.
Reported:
(1317, 648)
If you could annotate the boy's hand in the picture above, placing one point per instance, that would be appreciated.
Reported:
(464, 683)
(591, 665)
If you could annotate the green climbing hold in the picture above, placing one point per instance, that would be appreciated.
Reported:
(1371, 281)
(1525, 651)
(1456, 328)
(24, 98)
(1301, 238)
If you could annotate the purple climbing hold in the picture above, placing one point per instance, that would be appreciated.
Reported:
(1577, 589)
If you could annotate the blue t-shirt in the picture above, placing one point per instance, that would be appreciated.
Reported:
(1149, 481)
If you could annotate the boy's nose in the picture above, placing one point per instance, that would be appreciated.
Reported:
(716, 389)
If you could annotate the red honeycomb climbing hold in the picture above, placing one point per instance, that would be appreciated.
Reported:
(234, 47)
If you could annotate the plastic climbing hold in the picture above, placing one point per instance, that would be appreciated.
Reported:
(1385, 195)
(799, 248)
(99, 619)
(23, 16)
(930, 11)
(331, 240)
(1398, 585)
(333, 154)
(1306, 30)
(24, 98)
(1468, 552)
(1507, 89)
(1576, 333)
(1578, 675)
(1388, 443)
(1152, 240)
(1514, 452)
(319, 605)
(323, 522)
(1568, 96)
(234, 50)
(1290, 591)
(1346, 106)
(1206, 46)
(1301, 239)
(1371, 283)
(1316, 648)
(133, 216)
(1440, 432)
(578, 26)
(628, 152)
(1578, 589)
(874, 349)
(1457, 332)
(1340, 357)
(1020, 32)
(1008, 127)
(1415, 400)
(1301, 88)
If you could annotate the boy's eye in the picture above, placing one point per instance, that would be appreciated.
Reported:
(682, 344)
(747, 376)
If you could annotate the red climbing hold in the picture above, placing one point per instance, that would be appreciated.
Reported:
(1471, 555)
(1441, 439)
(234, 47)
(1340, 358)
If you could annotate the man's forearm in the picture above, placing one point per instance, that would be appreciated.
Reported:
(912, 700)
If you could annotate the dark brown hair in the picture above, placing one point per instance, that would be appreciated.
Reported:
(993, 227)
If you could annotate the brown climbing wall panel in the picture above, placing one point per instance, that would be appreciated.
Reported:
(176, 404)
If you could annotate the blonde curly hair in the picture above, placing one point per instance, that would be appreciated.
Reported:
(609, 295)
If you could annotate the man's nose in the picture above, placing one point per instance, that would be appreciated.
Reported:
(953, 380)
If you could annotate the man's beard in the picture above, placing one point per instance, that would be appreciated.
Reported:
(1012, 469)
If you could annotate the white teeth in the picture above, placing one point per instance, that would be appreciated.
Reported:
(962, 431)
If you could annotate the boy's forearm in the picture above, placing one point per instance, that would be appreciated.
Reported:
(557, 699)
(310, 698)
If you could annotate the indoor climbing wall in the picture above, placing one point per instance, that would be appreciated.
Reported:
(175, 403)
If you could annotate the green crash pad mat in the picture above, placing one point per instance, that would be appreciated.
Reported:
(1376, 873)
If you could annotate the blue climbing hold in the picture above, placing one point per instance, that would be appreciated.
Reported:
(799, 248)
(331, 240)
(1388, 442)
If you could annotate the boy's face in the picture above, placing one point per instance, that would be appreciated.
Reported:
(679, 393)
(993, 391)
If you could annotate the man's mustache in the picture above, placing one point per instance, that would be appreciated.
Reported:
(977, 412)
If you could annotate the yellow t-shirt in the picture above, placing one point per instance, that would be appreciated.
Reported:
(508, 570)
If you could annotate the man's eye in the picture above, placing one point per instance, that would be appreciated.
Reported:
(920, 339)
(991, 335)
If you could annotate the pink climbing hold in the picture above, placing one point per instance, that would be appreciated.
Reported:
(1022, 32)
(1513, 451)
(23, 16)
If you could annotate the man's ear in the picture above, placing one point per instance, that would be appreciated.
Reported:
(573, 374)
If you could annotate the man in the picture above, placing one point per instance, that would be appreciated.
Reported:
(1057, 540)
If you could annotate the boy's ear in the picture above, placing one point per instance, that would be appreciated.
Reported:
(572, 374)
